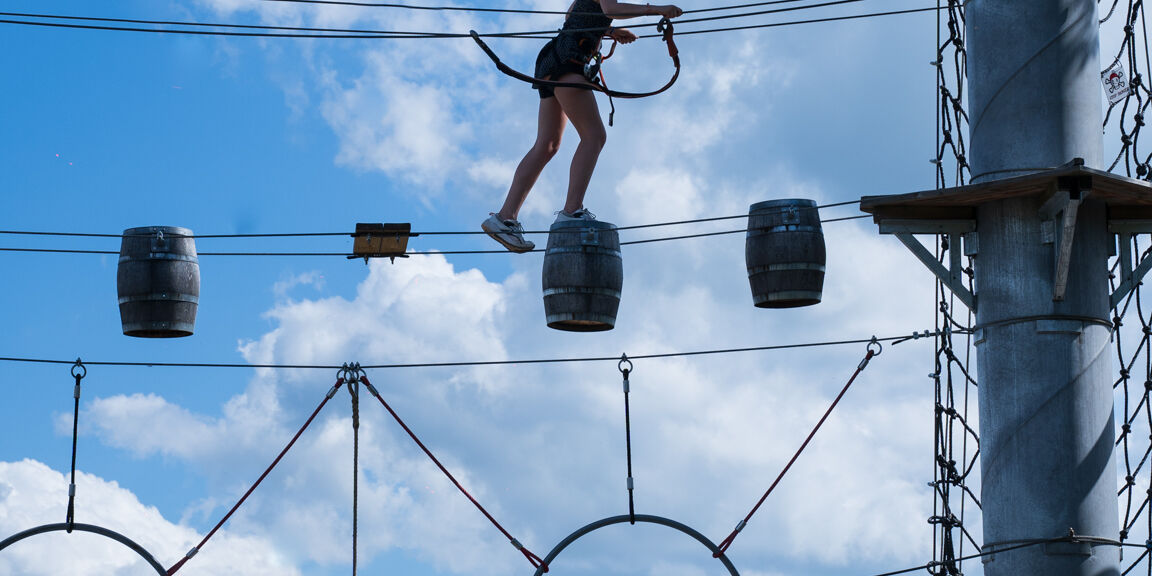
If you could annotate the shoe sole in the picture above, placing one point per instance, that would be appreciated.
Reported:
(511, 247)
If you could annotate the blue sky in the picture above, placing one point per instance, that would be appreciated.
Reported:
(102, 131)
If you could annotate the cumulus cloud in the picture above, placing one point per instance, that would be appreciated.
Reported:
(32, 494)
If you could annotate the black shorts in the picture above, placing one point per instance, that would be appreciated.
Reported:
(552, 64)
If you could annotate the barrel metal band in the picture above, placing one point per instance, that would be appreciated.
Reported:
(559, 291)
(159, 256)
(784, 228)
(583, 250)
(581, 317)
(161, 296)
(789, 295)
(786, 266)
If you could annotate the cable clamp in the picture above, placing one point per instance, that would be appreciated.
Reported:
(740, 526)
(72, 490)
(335, 388)
(191, 552)
(516, 544)
(630, 484)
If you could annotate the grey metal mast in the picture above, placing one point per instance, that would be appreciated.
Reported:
(1041, 274)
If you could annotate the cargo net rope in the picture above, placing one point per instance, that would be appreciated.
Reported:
(956, 444)
(1132, 337)
(352, 378)
(1124, 77)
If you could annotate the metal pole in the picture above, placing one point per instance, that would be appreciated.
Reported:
(1046, 424)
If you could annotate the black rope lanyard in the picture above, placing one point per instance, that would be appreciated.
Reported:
(628, 435)
(78, 372)
(664, 27)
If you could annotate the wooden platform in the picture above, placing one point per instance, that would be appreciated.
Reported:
(1126, 198)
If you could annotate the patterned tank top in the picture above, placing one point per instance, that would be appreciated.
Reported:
(583, 29)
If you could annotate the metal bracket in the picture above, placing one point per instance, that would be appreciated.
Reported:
(1129, 277)
(1058, 226)
(958, 231)
(952, 277)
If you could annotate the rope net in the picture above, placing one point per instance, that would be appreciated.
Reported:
(956, 443)
(1125, 70)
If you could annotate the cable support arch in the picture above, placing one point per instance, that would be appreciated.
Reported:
(642, 518)
(453, 364)
(98, 530)
(403, 35)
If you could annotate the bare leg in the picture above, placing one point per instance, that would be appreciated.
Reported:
(550, 128)
(580, 107)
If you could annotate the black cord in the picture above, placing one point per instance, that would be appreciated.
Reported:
(628, 435)
(460, 364)
(78, 372)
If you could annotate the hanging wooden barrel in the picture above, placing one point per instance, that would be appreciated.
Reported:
(583, 275)
(158, 282)
(784, 253)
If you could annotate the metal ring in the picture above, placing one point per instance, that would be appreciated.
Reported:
(645, 518)
(83, 369)
(87, 528)
(624, 360)
(877, 344)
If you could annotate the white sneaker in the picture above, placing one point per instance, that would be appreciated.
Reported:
(581, 214)
(509, 233)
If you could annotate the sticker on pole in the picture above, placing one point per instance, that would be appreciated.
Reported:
(1115, 83)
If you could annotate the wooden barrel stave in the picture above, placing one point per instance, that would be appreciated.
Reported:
(582, 276)
(785, 253)
(158, 282)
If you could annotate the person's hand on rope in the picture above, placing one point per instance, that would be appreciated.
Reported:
(666, 10)
(622, 35)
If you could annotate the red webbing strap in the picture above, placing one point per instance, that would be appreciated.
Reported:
(665, 27)
(723, 547)
(534, 559)
(191, 553)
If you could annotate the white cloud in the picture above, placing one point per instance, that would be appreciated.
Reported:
(35, 495)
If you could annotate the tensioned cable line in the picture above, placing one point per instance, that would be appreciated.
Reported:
(892, 339)
(416, 253)
(398, 35)
(504, 10)
(414, 233)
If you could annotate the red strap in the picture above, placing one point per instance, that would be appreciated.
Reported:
(723, 547)
(176, 567)
(534, 559)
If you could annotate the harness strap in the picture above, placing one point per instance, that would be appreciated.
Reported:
(664, 27)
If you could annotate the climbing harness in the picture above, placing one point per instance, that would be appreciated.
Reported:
(592, 69)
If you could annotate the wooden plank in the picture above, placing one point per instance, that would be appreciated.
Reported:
(1115, 190)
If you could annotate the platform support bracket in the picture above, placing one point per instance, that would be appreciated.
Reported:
(957, 231)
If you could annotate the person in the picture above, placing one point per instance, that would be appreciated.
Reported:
(562, 59)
